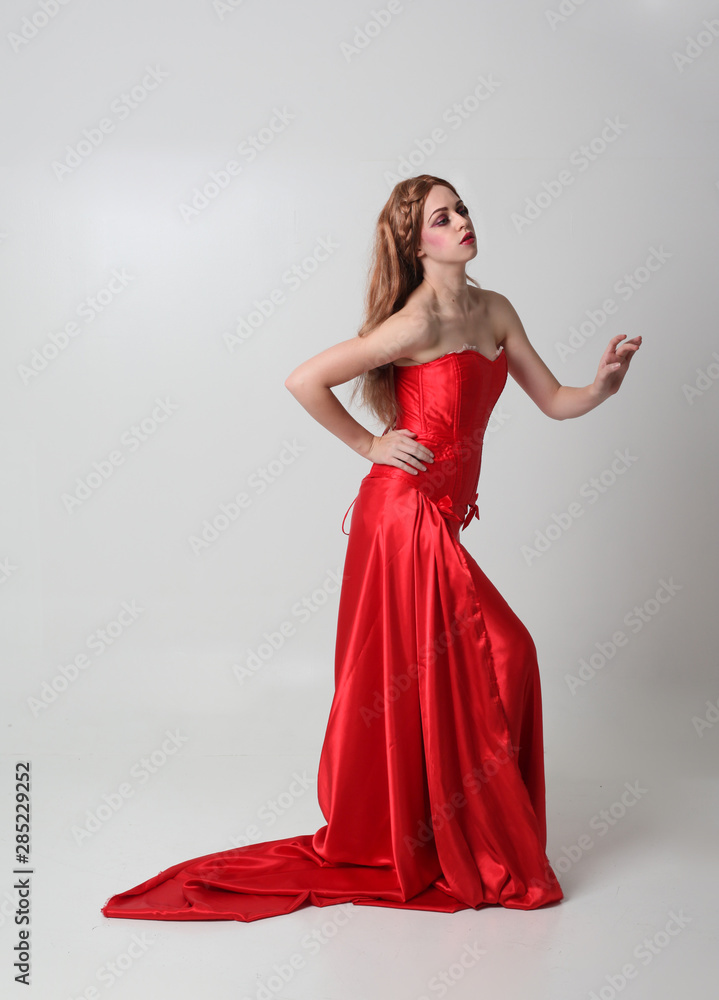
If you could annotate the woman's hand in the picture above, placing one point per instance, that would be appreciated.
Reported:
(614, 364)
(397, 448)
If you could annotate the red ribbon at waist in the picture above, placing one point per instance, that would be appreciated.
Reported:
(445, 506)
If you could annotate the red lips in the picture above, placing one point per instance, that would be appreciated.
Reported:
(466, 237)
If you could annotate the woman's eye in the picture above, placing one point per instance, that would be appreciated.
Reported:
(462, 211)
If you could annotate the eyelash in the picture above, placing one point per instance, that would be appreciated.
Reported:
(461, 211)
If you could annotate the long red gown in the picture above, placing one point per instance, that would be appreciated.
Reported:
(431, 775)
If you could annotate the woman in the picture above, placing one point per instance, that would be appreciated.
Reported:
(431, 777)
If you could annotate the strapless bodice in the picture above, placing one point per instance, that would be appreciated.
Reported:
(448, 403)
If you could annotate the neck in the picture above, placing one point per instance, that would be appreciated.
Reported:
(448, 286)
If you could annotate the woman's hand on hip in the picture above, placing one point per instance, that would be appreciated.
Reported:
(399, 449)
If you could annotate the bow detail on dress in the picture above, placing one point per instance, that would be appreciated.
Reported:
(445, 505)
(472, 512)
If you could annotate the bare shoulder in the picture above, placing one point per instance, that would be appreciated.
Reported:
(493, 302)
(503, 316)
(410, 330)
(402, 333)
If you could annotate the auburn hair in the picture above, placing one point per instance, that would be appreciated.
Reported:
(395, 271)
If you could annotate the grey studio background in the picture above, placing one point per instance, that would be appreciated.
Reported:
(155, 299)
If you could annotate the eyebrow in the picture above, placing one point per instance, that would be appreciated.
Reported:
(444, 208)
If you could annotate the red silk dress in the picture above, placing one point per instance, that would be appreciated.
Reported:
(431, 775)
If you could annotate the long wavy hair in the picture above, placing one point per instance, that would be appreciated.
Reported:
(395, 271)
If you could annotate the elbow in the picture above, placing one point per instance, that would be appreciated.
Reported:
(295, 380)
(297, 386)
(548, 408)
(552, 408)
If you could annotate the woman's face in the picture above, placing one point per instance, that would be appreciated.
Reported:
(446, 223)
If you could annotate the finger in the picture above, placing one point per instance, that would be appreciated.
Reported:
(410, 458)
(628, 352)
(420, 451)
(406, 466)
(414, 462)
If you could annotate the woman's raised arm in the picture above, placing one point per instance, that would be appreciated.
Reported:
(530, 372)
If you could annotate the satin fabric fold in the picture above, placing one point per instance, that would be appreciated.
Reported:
(431, 775)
